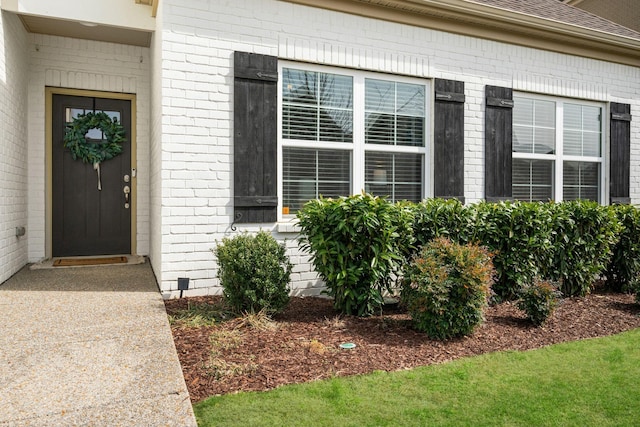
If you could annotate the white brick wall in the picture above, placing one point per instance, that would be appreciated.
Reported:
(184, 88)
(13, 145)
(155, 151)
(198, 40)
(83, 64)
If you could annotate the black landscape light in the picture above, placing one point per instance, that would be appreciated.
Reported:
(183, 284)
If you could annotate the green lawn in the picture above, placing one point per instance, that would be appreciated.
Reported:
(587, 383)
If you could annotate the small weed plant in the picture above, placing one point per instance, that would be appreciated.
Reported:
(198, 314)
(219, 369)
(260, 321)
(316, 347)
(335, 323)
(223, 339)
(445, 288)
(539, 300)
(254, 271)
(216, 366)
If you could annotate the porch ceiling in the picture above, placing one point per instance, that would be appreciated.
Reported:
(89, 31)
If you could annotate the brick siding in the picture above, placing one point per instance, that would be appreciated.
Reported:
(13, 153)
(196, 81)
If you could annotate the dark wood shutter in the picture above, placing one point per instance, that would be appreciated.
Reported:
(449, 140)
(255, 138)
(498, 128)
(620, 153)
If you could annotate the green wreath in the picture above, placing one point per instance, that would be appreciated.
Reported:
(75, 137)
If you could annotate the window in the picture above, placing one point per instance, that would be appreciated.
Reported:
(557, 149)
(342, 131)
(93, 134)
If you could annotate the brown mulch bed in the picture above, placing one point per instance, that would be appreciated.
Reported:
(305, 344)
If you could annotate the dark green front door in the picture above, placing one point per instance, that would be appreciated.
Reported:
(86, 220)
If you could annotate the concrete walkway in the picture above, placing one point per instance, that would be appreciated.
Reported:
(88, 347)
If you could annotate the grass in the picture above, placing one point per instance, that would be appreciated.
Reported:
(198, 315)
(585, 383)
(260, 321)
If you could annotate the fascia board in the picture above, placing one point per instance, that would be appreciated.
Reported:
(479, 20)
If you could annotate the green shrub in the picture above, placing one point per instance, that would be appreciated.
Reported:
(570, 242)
(357, 245)
(441, 218)
(585, 235)
(405, 240)
(254, 273)
(624, 268)
(519, 236)
(634, 288)
(539, 300)
(445, 288)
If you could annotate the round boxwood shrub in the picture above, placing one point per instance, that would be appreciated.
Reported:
(254, 272)
(446, 287)
(539, 300)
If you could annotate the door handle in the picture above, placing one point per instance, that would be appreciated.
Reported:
(126, 190)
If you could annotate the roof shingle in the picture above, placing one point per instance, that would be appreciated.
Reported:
(557, 11)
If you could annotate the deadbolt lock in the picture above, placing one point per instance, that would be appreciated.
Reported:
(126, 178)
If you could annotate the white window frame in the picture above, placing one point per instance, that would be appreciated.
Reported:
(559, 157)
(358, 147)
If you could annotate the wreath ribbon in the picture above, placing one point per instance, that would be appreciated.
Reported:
(96, 167)
(90, 152)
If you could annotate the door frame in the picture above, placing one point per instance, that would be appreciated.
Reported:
(49, 92)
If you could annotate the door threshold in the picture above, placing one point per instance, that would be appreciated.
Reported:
(88, 261)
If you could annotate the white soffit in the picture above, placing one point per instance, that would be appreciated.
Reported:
(117, 21)
(88, 31)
